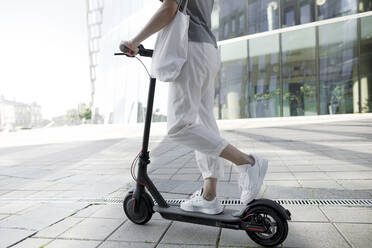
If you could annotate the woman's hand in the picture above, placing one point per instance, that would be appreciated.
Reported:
(133, 47)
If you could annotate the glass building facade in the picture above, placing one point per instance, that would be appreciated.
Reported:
(293, 57)
(279, 58)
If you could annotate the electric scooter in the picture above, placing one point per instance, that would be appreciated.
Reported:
(264, 220)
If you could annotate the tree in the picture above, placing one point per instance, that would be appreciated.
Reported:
(85, 112)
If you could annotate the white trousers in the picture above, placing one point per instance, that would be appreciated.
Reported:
(190, 120)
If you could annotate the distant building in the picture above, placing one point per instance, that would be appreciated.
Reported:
(18, 115)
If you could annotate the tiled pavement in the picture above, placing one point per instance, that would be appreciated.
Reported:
(40, 188)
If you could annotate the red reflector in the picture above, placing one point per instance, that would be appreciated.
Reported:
(256, 229)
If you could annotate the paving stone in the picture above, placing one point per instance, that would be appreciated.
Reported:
(164, 171)
(55, 230)
(169, 185)
(325, 184)
(351, 175)
(3, 216)
(150, 232)
(41, 216)
(96, 229)
(3, 192)
(88, 211)
(233, 238)
(183, 246)
(335, 168)
(39, 185)
(305, 213)
(13, 208)
(189, 171)
(348, 214)
(61, 243)
(13, 236)
(313, 235)
(295, 160)
(356, 184)
(33, 243)
(284, 183)
(118, 244)
(280, 176)
(339, 194)
(279, 192)
(340, 149)
(19, 194)
(311, 175)
(228, 190)
(160, 176)
(273, 169)
(110, 211)
(185, 187)
(358, 234)
(46, 194)
(185, 233)
(186, 177)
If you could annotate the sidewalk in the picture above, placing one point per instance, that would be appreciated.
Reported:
(68, 194)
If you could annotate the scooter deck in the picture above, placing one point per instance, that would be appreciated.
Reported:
(225, 219)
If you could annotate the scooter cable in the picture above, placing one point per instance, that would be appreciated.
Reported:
(132, 167)
(143, 65)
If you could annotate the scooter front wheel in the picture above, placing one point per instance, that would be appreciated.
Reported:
(145, 211)
(276, 228)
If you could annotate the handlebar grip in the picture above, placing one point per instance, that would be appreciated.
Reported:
(142, 51)
(124, 48)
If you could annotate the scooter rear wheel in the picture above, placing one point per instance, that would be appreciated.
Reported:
(145, 210)
(277, 227)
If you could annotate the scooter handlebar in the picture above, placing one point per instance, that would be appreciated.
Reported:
(141, 51)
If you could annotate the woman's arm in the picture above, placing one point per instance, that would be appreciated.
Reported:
(160, 19)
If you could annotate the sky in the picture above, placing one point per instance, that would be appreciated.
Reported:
(44, 53)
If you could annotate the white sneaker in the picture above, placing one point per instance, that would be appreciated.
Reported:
(199, 204)
(197, 193)
(251, 178)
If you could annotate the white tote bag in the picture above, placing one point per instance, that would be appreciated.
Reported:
(170, 52)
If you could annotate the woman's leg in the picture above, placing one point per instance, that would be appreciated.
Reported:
(209, 188)
(236, 156)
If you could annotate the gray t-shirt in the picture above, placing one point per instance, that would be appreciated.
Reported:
(200, 20)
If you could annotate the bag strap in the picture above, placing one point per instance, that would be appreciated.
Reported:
(184, 7)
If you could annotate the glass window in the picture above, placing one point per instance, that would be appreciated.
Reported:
(234, 81)
(230, 13)
(295, 12)
(366, 64)
(334, 8)
(226, 29)
(233, 26)
(306, 14)
(339, 91)
(365, 5)
(264, 86)
(262, 15)
(242, 24)
(298, 72)
(289, 17)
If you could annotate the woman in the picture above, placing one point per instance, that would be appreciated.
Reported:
(190, 119)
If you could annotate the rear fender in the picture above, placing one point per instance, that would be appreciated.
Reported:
(284, 213)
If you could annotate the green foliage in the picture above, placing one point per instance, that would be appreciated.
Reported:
(84, 111)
